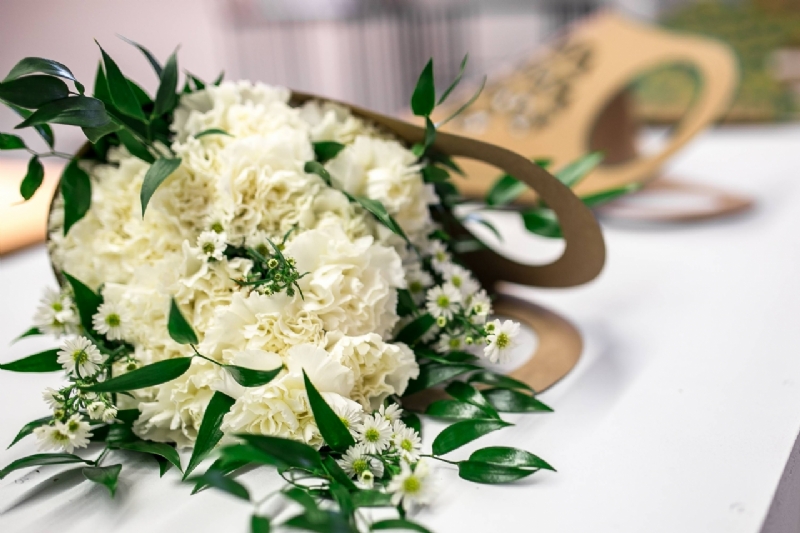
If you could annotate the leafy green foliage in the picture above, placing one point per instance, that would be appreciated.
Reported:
(86, 300)
(45, 361)
(147, 54)
(456, 81)
(461, 433)
(44, 131)
(147, 376)
(76, 188)
(468, 394)
(433, 374)
(166, 95)
(212, 131)
(248, 377)
(503, 455)
(379, 211)
(104, 475)
(324, 151)
(398, 523)
(209, 433)
(415, 329)
(41, 459)
(315, 167)
(158, 449)
(11, 142)
(218, 480)
(29, 333)
(285, 451)
(33, 178)
(465, 105)
(331, 427)
(504, 191)
(38, 65)
(28, 428)
(259, 524)
(512, 401)
(498, 380)
(33, 91)
(122, 94)
(455, 410)
(593, 200)
(542, 221)
(423, 99)
(574, 172)
(179, 329)
(155, 176)
(80, 111)
(491, 473)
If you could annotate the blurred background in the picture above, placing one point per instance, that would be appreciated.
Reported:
(371, 51)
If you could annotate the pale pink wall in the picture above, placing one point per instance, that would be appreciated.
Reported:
(65, 30)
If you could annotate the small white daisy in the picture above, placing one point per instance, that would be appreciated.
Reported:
(418, 281)
(408, 443)
(95, 410)
(80, 357)
(450, 343)
(349, 415)
(391, 412)
(375, 433)
(440, 257)
(56, 314)
(443, 301)
(111, 320)
(412, 487)
(110, 414)
(52, 398)
(479, 304)
(74, 433)
(500, 339)
(212, 244)
(366, 479)
(356, 461)
(462, 279)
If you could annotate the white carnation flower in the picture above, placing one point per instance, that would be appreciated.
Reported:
(80, 357)
(500, 339)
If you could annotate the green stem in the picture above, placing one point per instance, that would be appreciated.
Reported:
(101, 457)
(455, 463)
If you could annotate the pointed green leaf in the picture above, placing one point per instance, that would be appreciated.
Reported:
(30, 333)
(542, 221)
(237, 455)
(218, 480)
(379, 211)
(372, 498)
(504, 191)
(455, 410)
(209, 433)
(166, 96)
(147, 376)
(135, 146)
(322, 521)
(411, 420)
(399, 523)
(155, 176)
(104, 475)
(179, 329)
(80, 111)
(433, 374)
(86, 300)
(95, 134)
(218, 80)
(455, 81)
(158, 449)
(415, 329)
(461, 433)
(289, 452)
(512, 401)
(76, 188)
(38, 65)
(466, 104)
(331, 427)
(11, 142)
(33, 91)
(315, 167)
(222, 466)
(498, 380)
(467, 393)
(502, 455)
(430, 134)
(212, 131)
(324, 151)
(33, 178)
(41, 459)
(122, 94)
(28, 428)
(602, 197)
(44, 131)
(45, 361)
(423, 99)
(491, 474)
(475, 217)
(248, 377)
(147, 54)
(259, 524)
(338, 475)
(434, 174)
(574, 172)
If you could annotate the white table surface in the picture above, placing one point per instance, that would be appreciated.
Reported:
(680, 417)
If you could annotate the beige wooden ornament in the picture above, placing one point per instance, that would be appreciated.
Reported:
(571, 99)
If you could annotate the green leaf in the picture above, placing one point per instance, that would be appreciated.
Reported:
(122, 94)
(475, 217)
(405, 303)
(338, 475)
(446, 161)
(468, 394)
(155, 176)
(288, 452)
(321, 522)
(218, 80)
(45, 361)
(228, 468)
(592, 200)
(491, 473)
(80, 111)
(163, 465)
(259, 524)
(342, 497)
(237, 455)
(41, 459)
(372, 498)
(166, 96)
(399, 523)
(434, 174)
(303, 498)
(331, 427)
(411, 420)
(95, 134)
(153, 448)
(498, 380)
(315, 167)
(212, 131)
(104, 475)
(11, 142)
(33, 178)
(247, 377)
(76, 188)
(28, 428)
(504, 191)
(33, 91)
(574, 172)
(44, 131)
(114, 434)
(455, 410)
(512, 401)
(430, 134)
(198, 83)
(465, 106)
(542, 221)
(461, 433)
(324, 151)
(179, 329)
(456, 81)
(135, 146)
(38, 65)
(415, 329)
(147, 376)
(433, 374)
(30, 333)
(423, 100)
(505, 456)
(150, 57)
(218, 480)
(209, 433)
(86, 300)
(379, 211)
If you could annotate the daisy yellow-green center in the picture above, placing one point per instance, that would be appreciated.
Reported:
(407, 445)
(415, 286)
(57, 307)
(113, 320)
(80, 357)
(502, 340)
(216, 227)
(360, 466)
(372, 435)
(60, 437)
(411, 485)
(208, 248)
(443, 301)
(455, 344)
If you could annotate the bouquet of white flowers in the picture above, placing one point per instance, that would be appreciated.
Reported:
(262, 276)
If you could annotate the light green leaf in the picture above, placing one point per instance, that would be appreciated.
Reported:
(592, 200)
(456, 81)
(41, 459)
(147, 376)
(33, 178)
(248, 377)
(377, 208)
(86, 300)
(46, 361)
(455, 410)
(104, 475)
(33, 91)
(504, 191)
(399, 523)
(331, 427)
(80, 111)
(461, 433)
(502, 455)
(466, 104)
(512, 401)
(155, 176)
(415, 329)
(433, 374)
(315, 167)
(76, 188)
(179, 329)
(259, 524)
(288, 452)
(324, 151)
(574, 172)
(28, 428)
(423, 100)
(122, 94)
(158, 449)
(218, 480)
(167, 96)
(209, 433)
(491, 473)
(212, 131)
(147, 54)
(372, 498)
(11, 142)
(498, 380)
